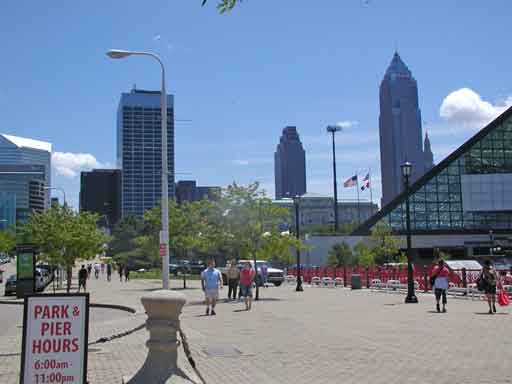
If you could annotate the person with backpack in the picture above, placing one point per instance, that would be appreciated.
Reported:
(488, 281)
(440, 283)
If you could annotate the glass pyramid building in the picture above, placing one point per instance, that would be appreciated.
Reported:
(470, 191)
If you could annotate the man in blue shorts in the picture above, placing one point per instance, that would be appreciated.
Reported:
(211, 281)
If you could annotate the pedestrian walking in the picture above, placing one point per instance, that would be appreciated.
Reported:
(233, 276)
(82, 278)
(246, 279)
(489, 280)
(102, 269)
(96, 270)
(440, 284)
(264, 274)
(89, 270)
(109, 272)
(211, 281)
(120, 269)
(126, 273)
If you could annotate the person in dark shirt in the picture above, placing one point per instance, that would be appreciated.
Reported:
(109, 271)
(82, 278)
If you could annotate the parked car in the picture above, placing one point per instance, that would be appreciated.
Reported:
(274, 276)
(40, 283)
(196, 267)
(10, 286)
(4, 258)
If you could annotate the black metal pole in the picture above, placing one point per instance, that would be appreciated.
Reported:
(297, 234)
(411, 297)
(336, 223)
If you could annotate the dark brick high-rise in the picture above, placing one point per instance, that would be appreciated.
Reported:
(290, 165)
(100, 192)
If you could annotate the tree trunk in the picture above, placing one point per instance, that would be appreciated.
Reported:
(69, 273)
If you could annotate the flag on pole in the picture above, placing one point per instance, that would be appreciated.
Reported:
(350, 182)
(366, 182)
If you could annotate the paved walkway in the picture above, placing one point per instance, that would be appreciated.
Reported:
(321, 335)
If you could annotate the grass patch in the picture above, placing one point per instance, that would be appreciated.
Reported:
(156, 274)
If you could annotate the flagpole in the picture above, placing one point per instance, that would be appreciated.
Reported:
(358, 207)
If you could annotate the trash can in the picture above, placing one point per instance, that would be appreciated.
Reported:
(355, 282)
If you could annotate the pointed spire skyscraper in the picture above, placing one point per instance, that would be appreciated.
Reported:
(399, 128)
(428, 155)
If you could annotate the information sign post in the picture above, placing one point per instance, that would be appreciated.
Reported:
(25, 270)
(55, 338)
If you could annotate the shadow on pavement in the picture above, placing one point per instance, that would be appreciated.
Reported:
(488, 314)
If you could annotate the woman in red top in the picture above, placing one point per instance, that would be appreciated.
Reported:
(441, 284)
(246, 279)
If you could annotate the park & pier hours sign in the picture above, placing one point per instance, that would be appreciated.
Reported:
(55, 333)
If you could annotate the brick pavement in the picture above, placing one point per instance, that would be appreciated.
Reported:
(319, 335)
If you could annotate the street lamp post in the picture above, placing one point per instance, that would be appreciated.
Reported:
(164, 234)
(406, 173)
(333, 129)
(296, 201)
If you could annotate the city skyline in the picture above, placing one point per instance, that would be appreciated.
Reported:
(334, 78)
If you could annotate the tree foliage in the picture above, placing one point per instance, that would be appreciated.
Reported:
(385, 245)
(364, 255)
(7, 240)
(241, 223)
(340, 255)
(224, 5)
(64, 236)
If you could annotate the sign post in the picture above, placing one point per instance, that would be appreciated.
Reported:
(55, 338)
(25, 270)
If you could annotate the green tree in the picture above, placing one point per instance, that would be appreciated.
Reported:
(64, 236)
(7, 240)
(224, 5)
(364, 255)
(340, 255)
(385, 244)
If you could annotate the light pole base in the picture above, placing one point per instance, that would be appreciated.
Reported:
(411, 299)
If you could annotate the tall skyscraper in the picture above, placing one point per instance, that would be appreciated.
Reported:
(100, 192)
(400, 128)
(139, 150)
(290, 165)
(16, 150)
(429, 156)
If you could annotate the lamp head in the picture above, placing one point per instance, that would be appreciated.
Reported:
(333, 128)
(118, 54)
(406, 169)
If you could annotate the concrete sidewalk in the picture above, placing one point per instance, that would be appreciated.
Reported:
(320, 335)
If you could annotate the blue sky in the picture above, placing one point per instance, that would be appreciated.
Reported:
(242, 77)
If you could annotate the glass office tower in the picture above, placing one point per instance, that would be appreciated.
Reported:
(16, 150)
(139, 150)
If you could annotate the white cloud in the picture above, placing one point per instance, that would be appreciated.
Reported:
(347, 123)
(70, 164)
(466, 107)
